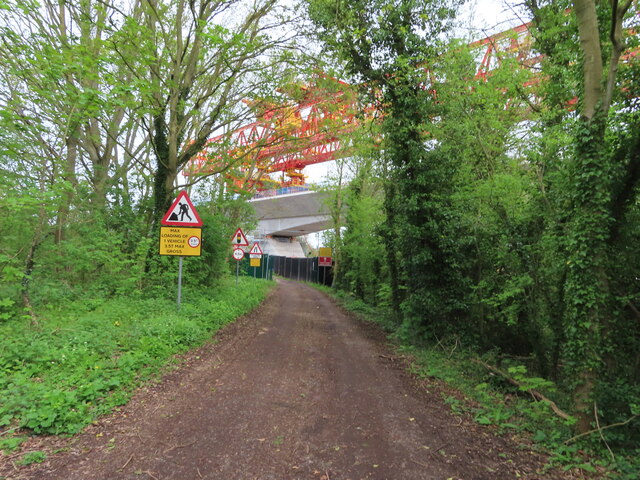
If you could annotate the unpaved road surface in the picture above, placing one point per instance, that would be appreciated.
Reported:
(296, 390)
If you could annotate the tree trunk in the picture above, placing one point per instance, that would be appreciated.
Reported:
(69, 176)
(587, 289)
(163, 178)
(389, 238)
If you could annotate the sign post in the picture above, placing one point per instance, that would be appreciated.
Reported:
(181, 234)
(238, 241)
(324, 260)
(179, 281)
(238, 254)
(255, 254)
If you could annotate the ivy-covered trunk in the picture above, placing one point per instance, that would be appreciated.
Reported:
(588, 298)
(163, 174)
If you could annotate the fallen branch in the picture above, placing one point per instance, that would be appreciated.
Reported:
(534, 393)
(178, 446)
(124, 466)
(440, 448)
(613, 425)
(419, 463)
(393, 359)
(595, 414)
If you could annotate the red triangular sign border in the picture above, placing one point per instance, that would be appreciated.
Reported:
(255, 247)
(245, 242)
(181, 196)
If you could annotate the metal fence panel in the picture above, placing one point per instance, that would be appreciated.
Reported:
(302, 269)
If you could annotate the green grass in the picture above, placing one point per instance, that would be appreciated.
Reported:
(86, 357)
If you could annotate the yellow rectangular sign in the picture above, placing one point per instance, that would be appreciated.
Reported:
(183, 241)
(324, 252)
(254, 262)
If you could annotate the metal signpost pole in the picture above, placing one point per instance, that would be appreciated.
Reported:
(238, 240)
(179, 282)
(180, 233)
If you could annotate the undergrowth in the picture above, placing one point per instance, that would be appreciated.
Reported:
(492, 400)
(84, 358)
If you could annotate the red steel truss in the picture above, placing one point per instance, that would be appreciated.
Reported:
(287, 138)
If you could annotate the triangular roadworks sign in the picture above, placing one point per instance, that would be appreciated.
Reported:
(255, 250)
(182, 213)
(238, 239)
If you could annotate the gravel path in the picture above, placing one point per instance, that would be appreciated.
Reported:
(296, 390)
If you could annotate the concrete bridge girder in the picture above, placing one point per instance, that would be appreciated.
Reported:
(293, 215)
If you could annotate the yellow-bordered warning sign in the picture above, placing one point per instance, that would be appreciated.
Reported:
(181, 241)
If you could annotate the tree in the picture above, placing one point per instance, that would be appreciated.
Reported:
(194, 68)
(599, 185)
(386, 45)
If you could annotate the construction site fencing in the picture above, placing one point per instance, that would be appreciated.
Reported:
(265, 270)
(302, 269)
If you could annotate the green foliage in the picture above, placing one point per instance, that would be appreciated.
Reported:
(88, 355)
(11, 443)
(509, 217)
(32, 457)
(361, 266)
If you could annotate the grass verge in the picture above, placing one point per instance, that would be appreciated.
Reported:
(86, 357)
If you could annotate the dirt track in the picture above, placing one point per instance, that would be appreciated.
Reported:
(297, 390)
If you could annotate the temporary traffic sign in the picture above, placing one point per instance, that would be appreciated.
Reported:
(180, 241)
(255, 250)
(325, 261)
(238, 254)
(239, 240)
(182, 213)
(324, 257)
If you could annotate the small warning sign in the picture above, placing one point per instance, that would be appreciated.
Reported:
(325, 261)
(182, 213)
(324, 257)
(239, 240)
(255, 250)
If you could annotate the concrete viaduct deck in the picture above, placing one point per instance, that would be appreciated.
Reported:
(292, 215)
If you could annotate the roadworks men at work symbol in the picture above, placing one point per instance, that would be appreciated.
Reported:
(182, 213)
